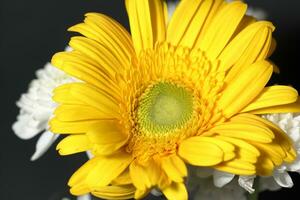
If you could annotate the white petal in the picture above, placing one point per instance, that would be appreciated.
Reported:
(89, 154)
(283, 179)
(295, 166)
(156, 192)
(43, 144)
(247, 183)
(294, 133)
(222, 178)
(85, 197)
(25, 128)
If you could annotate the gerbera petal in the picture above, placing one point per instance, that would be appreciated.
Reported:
(107, 137)
(246, 87)
(88, 95)
(147, 22)
(264, 166)
(176, 191)
(222, 28)
(280, 136)
(108, 32)
(244, 150)
(100, 171)
(144, 177)
(245, 131)
(237, 166)
(273, 96)
(279, 150)
(70, 113)
(75, 65)
(174, 167)
(273, 151)
(73, 144)
(205, 151)
(246, 47)
(98, 53)
(192, 15)
(114, 192)
(123, 179)
(287, 108)
(73, 127)
(139, 176)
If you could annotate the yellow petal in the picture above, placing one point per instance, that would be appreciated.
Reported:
(59, 95)
(200, 153)
(140, 194)
(237, 166)
(73, 144)
(174, 167)
(114, 192)
(176, 191)
(244, 150)
(244, 131)
(123, 179)
(192, 14)
(77, 66)
(282, 146)
(246, 45)
(97, 53)
(273, 96)
(70, 113)
(61, 127)
(222, 28)
(287, 108)
(264, 166)
(280, 136)
(78, 177)
(147, 22)
(109, 33)
(107, 137)
(144, 177)
(273, 151)
(139, 176)
(246, 87)
(102, 172)
(88, 95)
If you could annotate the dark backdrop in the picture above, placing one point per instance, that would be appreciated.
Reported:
(33, 30)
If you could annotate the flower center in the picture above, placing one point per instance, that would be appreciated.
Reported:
(164, 107)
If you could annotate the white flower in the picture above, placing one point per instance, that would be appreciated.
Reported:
(290, 124)
(36, 108)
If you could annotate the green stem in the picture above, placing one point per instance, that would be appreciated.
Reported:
(254, 195)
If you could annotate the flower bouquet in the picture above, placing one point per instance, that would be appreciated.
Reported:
(179, 107)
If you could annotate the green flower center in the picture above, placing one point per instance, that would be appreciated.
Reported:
(164, 107)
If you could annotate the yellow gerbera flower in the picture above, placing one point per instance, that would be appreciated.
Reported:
(184, 92)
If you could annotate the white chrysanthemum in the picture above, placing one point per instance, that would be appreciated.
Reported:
(290, 124)
(36, 108)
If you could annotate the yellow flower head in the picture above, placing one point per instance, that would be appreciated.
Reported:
(188, 90)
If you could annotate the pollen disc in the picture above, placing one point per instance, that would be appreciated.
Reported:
(164, 107)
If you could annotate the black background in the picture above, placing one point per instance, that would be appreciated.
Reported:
(33, 30)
